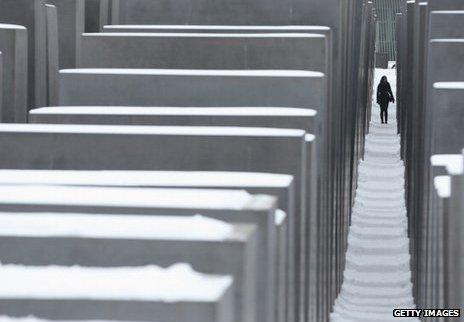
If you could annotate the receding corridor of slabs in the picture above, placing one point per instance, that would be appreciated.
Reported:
(377, 277)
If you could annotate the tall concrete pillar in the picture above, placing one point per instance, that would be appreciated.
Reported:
(31, 14)
(13, 45)
(71, 24)
(52, 55)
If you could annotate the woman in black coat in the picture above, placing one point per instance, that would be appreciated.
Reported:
(384, 97)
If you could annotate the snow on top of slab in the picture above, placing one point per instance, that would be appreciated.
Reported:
(217, 27)
(448, 85)
(280, 217)
(447, 12)
(140, 110)
(151, 130)
(443, 186)
(310, 137)
(146, 178)
(203, 35)
(31, 318)
(148, 283)
(451, 40)
(453, 163)
(194, 72)
(11, 26)
(195, 227)
(126, 197)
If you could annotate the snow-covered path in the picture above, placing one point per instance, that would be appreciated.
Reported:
(377, 277)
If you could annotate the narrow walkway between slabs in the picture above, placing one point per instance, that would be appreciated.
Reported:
(377, 277)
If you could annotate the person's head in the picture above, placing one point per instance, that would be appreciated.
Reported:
(383, 79)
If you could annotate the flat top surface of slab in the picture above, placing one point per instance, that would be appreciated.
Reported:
(146, 178)
(10, 26)
(443, 186)
(194, 72)
(217, 27)
(203, 35)
(448, 85)
(219, 111)
(452, 162)
(128, 197)
(34, 319)
(151, 130)
(105, 226)
(447, 12)
(447, 40)
(280, 217)
(309, 137)
(176, 283)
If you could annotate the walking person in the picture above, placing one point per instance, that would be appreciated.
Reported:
(384, 97)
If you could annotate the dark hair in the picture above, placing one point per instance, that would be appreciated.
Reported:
(384, 78)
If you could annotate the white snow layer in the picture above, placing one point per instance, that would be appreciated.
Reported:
(132, 178)
(126, 197)
(195, 227)
(149, 283)
(377, 277)
(31, 318)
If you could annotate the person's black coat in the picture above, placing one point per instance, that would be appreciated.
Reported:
(384, 93)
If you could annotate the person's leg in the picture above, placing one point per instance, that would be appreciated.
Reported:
(386, 114)
(382, 113)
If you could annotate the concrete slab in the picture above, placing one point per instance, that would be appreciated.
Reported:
(255, 183)
(205, 148)
(208, 245)
(31, 14)
(217, 29)
(299, 51)
(1, 80)
(92, 15)
(226, 205)
(446, 24)
(200, 12)
(437, 233)
(71, 293)
(445, 56)
(446, 5)
(454, 241)
(283, 299)
(198, 87)
(13, 45)
(53, 58)
(209, 88)
(448, 117)
(71, 24)
(275, 117)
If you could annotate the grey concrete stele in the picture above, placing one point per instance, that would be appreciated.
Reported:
(297, 51)
(448, 115)
(273, 117)
(444, 24)
(217, 29)
(78, 298)
(52, 55)
(31, 14)
(71, 24)
(139, 148)
(263, 117)
(164, 87)
(226, 205)
(13, 45)
(255, 183)
(201, 12)
(232, 253)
